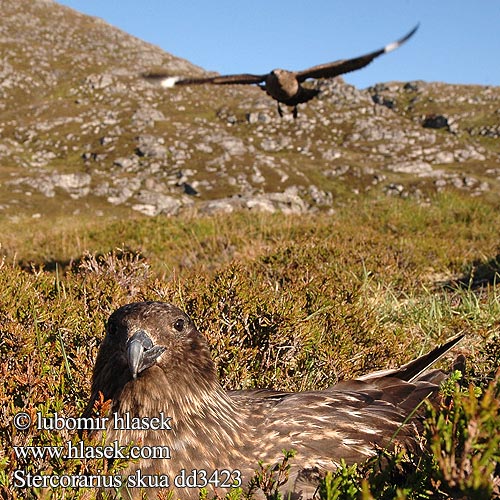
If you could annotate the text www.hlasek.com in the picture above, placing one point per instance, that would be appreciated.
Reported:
(79, 450)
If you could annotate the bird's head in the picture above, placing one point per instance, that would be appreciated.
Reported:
(153, 339)
(277, 75)
(152, 359)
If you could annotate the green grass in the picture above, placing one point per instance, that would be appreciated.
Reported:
(288, 302)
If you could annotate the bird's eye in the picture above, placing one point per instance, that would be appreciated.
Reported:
(179, 324)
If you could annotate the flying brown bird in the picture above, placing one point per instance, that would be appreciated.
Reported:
(282, 85)
(154, 363)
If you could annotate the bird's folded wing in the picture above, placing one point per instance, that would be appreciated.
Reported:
(414, 369)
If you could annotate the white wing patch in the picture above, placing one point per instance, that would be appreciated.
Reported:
(169, 82)
(391, 46)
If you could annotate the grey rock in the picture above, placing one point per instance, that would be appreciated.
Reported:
(492, 131)
(258, 117)
(178, 155)
(464, 182)
(257, 177)
(153, 203)
(337, 171)
(76, 185)
(470, 153)
(104, 142)
(261, 204)
(483, 187)
(99, 81)
(331, 154)
(421, 168)
(411, 87)
(204, 147)
(270, 144)
(440, 184)
(494, 172)
(217, 206)
(233, 146)
(147, 116)
(122, 190)
(394, 189)
(287, 202)
(126, 164)
(444, 157)
(227, 115)
(470, 181)
(319, 197)
(151, 146)
(384, 101)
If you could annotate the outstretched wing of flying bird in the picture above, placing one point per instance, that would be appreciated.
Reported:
(336, 68)
(169, 81)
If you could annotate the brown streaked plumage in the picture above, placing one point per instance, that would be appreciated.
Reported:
(153, 360)
(282, 85)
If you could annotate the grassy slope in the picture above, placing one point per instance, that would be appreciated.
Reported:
(288, 302)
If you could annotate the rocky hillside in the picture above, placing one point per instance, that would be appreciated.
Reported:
(81, 131)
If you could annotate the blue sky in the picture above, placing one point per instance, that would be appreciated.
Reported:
(458, 40)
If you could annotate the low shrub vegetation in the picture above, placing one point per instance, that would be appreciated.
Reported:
(289, 302)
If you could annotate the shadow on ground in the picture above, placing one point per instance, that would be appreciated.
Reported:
(481, 274)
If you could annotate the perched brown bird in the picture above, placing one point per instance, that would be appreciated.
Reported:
(153, 362)
(282, 85)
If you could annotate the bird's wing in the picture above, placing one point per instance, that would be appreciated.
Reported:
(346, 420)
(169, 81)
(414, 369)
(329, 70)
(325, 426)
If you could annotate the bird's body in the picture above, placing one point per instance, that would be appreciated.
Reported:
(282, 85)
(154, 361)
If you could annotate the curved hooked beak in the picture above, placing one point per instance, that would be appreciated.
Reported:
(141, 352)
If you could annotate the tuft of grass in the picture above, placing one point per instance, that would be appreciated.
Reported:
(464, 438)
